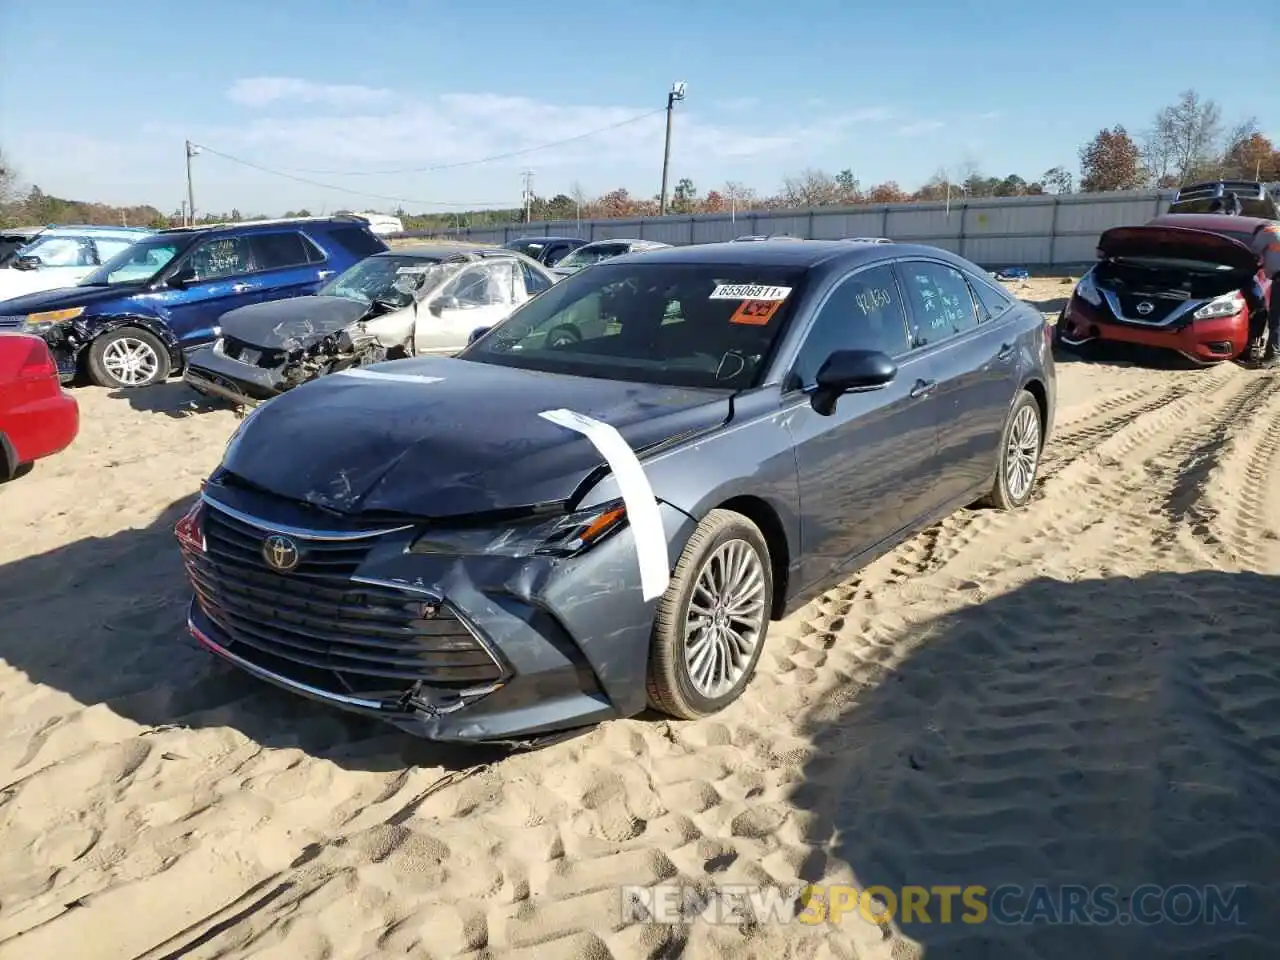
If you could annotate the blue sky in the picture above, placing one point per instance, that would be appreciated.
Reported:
(97, 98)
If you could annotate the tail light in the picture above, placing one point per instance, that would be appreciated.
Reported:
(190, 529)
(39, 363)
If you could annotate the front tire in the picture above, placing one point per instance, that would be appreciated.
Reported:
(1021, 443)
(711, 624)
(128, 357)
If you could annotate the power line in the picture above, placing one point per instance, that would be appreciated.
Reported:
(480, 160)
(357, 193)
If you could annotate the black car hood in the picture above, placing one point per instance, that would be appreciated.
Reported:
(469, 443)
(290, 324)
(65, 297)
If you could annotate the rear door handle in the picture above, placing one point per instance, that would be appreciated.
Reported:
(325, 273)
(241, 287)
(1006, 352)
(923, 388)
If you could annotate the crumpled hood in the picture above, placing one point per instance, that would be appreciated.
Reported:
(469, 442)
(1178, 243)
(290, 324)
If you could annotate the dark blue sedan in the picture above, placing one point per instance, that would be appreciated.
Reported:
(604, 500)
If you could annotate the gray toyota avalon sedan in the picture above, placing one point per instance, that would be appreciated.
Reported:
(603, 501)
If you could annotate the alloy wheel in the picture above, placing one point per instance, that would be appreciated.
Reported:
(1022, 455)
(725, 618)
(130, 361)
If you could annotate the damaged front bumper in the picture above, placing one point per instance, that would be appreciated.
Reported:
(211, 372)
(480, 648)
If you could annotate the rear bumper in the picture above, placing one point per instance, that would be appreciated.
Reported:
(39, 428)
(1204, 341)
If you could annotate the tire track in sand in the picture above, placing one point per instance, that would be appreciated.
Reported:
(1227, 497)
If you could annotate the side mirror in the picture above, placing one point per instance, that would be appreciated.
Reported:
(441, 304)
(476, 334)
(27, 263)
(183, 278)
(851, 371)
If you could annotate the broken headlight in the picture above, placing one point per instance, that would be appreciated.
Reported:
(562, 535)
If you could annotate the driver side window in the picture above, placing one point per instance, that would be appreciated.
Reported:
(863, 312)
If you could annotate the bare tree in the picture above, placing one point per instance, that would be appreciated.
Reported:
(811, 188)
(1058, 179)
(8, 180)
(1185, 138)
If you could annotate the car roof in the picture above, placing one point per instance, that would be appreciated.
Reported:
(55, 229)
(253, 226)
(536, 239)
(458, 252)
(1211, 222)
(798, 252)
(633, 241)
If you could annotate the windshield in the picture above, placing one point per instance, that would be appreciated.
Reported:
(678, 324)
(585, 256)
(399, 280)
(141, 261)
(530, 248)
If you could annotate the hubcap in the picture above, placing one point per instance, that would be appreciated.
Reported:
(1023, 453)
(725, 617)
(130, 361)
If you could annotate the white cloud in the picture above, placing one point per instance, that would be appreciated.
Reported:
(990, 115)
(264, 91)
(919, 127)
(390, 133)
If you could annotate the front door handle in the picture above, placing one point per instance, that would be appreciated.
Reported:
(923, 388)
(325, 274)
(1006, 352)
(241, 287)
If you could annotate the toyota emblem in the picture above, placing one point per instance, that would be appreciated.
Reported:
(1145, 307)
(281, 553)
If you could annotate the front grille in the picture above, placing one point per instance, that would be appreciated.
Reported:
(1161, 307)
(369, 640)
(234, 349)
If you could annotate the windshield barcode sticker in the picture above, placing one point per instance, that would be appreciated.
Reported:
(749, 291)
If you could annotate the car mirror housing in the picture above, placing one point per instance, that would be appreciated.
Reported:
(851, 371)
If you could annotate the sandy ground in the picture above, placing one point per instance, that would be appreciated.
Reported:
(1087, 692)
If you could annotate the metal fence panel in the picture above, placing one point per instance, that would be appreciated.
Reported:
(1044, 231)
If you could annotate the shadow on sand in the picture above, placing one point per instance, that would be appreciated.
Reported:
(1110, 732)
(173, 398)
(104, 620)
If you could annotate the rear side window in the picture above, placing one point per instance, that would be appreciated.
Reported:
(534, 282)
(864, 312)
(940, 300)
(276, 251)
(357, 241)
(992, 300)
(108, 247)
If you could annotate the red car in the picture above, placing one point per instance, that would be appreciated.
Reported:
(37, 417)
(1194, 283)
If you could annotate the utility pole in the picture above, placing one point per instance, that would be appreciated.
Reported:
(528, 194)
(192, 150)
(676, 93)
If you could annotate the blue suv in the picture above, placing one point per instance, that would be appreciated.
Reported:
(131, 321)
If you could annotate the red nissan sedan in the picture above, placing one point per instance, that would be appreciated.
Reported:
(37, 417)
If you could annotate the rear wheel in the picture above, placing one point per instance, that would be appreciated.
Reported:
(1019, 459)
(128, 357)
(711, 623)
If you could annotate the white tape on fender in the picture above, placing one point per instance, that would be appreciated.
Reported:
(381, 375)
(637, 496)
